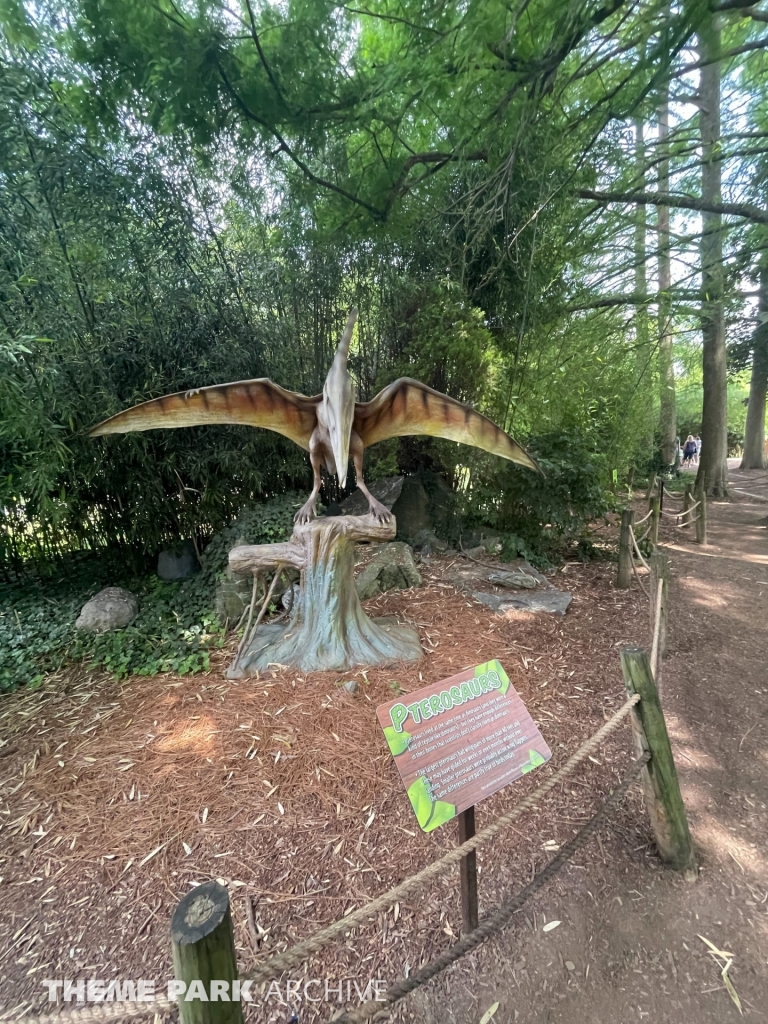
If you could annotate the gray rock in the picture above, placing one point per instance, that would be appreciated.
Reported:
(392, 568)
(387, 491)
(178, 563)
(233, 596)
(412, 509)
(553, 601)
(288, 578)
(513, 580)
(351, 686)
(111, 608)
(487, 540)
(476, 552)
(428, 543)
(291, 597)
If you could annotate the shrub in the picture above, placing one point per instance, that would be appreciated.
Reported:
(176, 627)
(543, 516)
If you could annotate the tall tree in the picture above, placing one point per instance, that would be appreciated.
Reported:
(754, 433)
(713, 468)
(641, 276)
(667, 410)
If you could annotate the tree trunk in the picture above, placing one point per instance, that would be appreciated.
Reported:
(328, 629)
(667, 409)
(643, 356)
(754, 433)
(713, 467)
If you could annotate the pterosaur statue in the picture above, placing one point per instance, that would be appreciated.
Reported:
(331, 426)
(328, 628)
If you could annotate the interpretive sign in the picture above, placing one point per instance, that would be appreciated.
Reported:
(460, 740)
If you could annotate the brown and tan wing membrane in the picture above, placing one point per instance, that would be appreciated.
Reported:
(253, 403)
(408, 407)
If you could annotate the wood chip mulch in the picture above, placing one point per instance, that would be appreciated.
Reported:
(117, 797)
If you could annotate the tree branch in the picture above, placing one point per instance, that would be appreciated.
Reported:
(745, 210)
(756, 44)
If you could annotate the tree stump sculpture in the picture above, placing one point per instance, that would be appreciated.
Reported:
(328, 628)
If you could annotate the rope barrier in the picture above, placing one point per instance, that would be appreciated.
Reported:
(641, 521)
(494, 923)
(681, 515)
(648, 529)
(672, 496)
(637, 549)
(637, 577)
(276, 965)
(298, 953)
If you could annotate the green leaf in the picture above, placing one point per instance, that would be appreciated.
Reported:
(430, 814)
(535, 760)
(398, 741)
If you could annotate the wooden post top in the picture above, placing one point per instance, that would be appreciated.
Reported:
(199, 913)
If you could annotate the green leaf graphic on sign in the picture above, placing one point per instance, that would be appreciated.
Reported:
(429, 814)
(398, 741)
(534, 760)
(442, 812)
(494, 666)
(502, 676)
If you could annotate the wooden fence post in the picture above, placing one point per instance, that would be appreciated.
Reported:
(655, 517)
(660, 783)
(701, 518)
(468, 873)
(651, 488)
(624, 578)
(659, 565)
(203, 943)
(688, 500)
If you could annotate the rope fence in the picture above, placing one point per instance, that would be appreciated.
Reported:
(631, 557)
(275, 966)
(495, 922)
(216, 944)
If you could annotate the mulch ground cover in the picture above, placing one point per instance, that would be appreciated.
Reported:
(117, 797)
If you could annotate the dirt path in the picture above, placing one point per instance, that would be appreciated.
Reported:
(629, 946)
(106, 786)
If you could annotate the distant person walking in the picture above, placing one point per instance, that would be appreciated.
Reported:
(697, 439)
(689, 450)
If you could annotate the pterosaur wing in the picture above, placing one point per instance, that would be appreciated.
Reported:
(409, 407)
(255, 403)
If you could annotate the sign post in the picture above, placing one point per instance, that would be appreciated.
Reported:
(468, 873)
(456, 742)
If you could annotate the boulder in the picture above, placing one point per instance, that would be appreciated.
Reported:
(391, 568)
(515, 586)
(476, 552)
(291, 598)
(554, 601)
(387, 491)
(428, 543)
(423, 502)
(233, 596)
(484, 539)
(178, 563)
(111, 608)
(411, 510)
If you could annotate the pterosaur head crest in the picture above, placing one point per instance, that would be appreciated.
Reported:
(339, 402)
